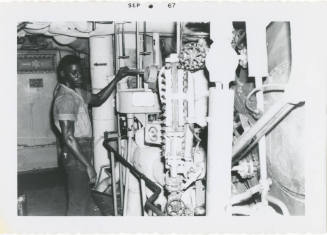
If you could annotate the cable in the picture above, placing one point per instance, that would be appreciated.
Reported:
(265, 88)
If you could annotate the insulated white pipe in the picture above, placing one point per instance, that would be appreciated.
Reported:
(220, 129)
(156, 49)
(128, 176)
(178, 37)
(102, 72)
(221, 62)
(258, 68)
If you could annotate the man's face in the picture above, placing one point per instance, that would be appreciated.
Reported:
(73, 75)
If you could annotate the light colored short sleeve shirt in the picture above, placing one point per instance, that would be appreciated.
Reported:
(69, 105)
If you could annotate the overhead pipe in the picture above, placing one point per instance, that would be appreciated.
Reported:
(73, 28)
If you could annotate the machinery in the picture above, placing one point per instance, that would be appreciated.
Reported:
(186, 136)
(165, 122)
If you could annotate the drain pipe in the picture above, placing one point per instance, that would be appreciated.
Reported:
(102, 72)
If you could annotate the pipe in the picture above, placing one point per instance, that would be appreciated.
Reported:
(265, 124)
(102, 71)
(143, 196)
(144, 37)
(258, 68)
(144, 52)
(130, 122)
(278, 203)
(265, 88)
(60, 28)
(246, 195)
(178, 37)
(113, 183)
(220, 120)
(247, 210)
(123, 56)
(156, 49)
(149, 204)
(249, 193)
(219, 100)
(241, 210)
(262, 145)
(121, 186)
(137, 51)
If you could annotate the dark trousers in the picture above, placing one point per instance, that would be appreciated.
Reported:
(80, 202)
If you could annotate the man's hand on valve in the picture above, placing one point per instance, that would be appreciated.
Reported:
(125, 71)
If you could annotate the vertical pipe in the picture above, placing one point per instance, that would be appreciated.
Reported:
(102, 71)
(117, 47)
(220, 129)
(178, 37)
(156, 49)
(130, 122)
(137, 49)
(221, 62)
(123, 39)
(144, 36)
(143, 195)
(262, 145)
(258, 68)
(113, 182)
(117, 64)
(121, 186)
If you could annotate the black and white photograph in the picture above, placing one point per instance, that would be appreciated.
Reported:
(125, 132)
(141, 149)
(133, 113)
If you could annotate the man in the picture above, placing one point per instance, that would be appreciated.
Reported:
(70, 112)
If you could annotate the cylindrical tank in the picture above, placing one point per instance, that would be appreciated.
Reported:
(102, 72)
(285, 144)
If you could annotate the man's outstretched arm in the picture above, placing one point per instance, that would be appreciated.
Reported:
(99, 98)
(67, 130)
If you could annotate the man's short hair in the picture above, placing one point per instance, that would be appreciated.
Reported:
(64, 62)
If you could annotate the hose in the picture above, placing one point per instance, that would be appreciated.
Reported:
(265, 88)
